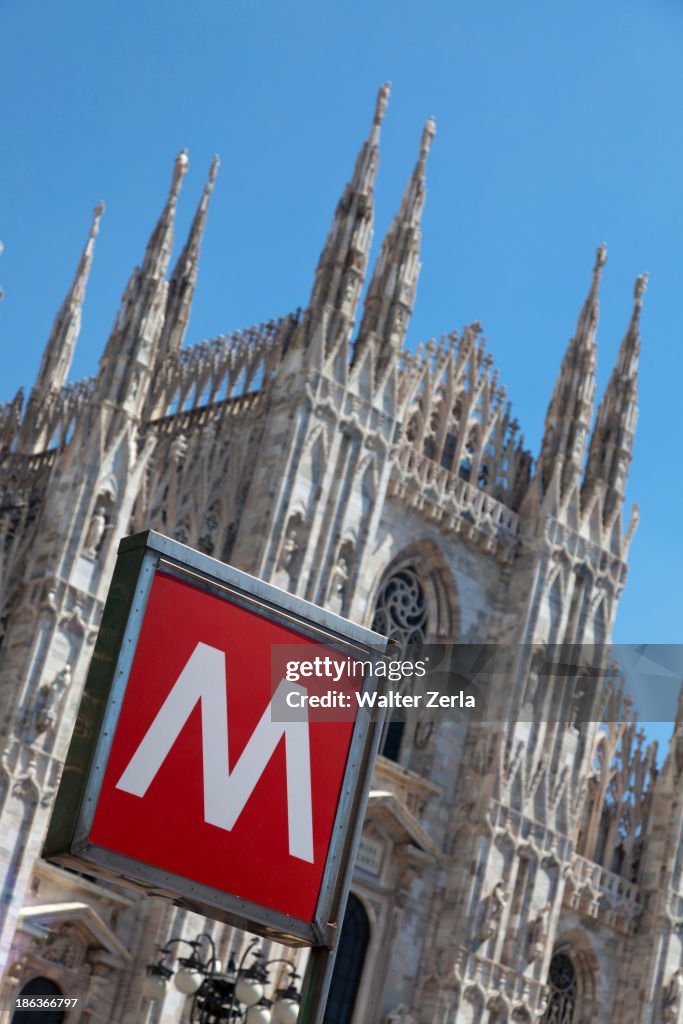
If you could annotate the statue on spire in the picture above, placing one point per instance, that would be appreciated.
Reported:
(180, 167)
(382, 101)
(639, 290)
(600, 257)
(428, 135)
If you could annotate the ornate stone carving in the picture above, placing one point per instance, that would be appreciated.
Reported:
(562, 999)
(673, 997)
(178, 450)
(293, 547)
(47, 700)
(339, 578)
(494, 905)
(61, 947)
(96, 531)
(401, 1015)
(26, 785)
(401, 610)
(538, 933)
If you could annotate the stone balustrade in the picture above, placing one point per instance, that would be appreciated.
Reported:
(454, 495)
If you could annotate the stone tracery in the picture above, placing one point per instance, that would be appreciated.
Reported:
(563, 997)
(401, 610)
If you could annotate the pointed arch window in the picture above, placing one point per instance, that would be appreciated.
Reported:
(563, 984)
(401, 610)
(401, 614)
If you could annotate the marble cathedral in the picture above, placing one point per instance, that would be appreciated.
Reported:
(514, 873)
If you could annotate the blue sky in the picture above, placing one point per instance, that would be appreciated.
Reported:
(558, 127)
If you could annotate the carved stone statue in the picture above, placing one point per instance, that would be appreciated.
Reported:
(292, 548)
(401, 1015)
(60, 948)
(538, 933)
(579, 439)
(349, 288)
(673, 996)
(577, 701)
(621, 471)
(493, 911)
(178, 449)
(44, 711)
(640, 286)
(339, 579)
(531, 688)
(382, 100)
(96, 528)
(397, 328)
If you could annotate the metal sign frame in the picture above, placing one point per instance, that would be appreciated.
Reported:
(68, 840)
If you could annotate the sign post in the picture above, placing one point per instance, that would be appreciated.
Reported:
(222, 754)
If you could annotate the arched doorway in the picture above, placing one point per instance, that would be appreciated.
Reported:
(37, 988)
(348, 966)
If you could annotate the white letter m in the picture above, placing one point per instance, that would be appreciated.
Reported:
(226, 793)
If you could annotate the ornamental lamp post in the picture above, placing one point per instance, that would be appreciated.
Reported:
(234, 996)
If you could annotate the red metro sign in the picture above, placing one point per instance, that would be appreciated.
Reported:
(189, 774)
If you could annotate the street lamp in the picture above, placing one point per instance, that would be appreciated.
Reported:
(234, 996)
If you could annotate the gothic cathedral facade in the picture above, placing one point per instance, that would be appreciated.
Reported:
(524, 872)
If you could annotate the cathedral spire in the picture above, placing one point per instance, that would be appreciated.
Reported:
(413, 199)
(132, 344)
(571, 407)
(391, 294)
(341, 269)
(183, 280)
(611, 446)
(159, 247)
(588, 317)
(56, 361)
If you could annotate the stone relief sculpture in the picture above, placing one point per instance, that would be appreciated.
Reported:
(47, 700)
(673, 997)
(339, 578)
(494, 905)
(293, 547)
(401, 1015)
(96, 530)
(538, 933)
